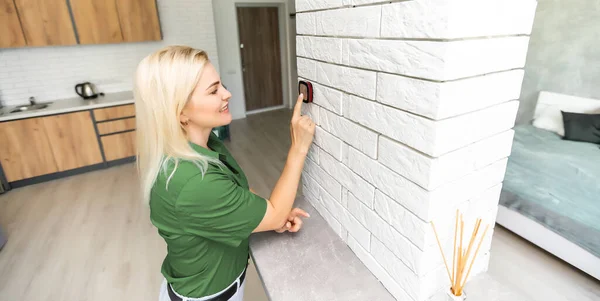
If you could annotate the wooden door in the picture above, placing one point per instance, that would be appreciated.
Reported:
(46, 22)
(261, 56)
(11, 34)
(25, 149)
(97, 21)
(139, 20)
(73, 140)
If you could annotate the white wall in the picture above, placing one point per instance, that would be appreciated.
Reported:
(563, 53)
(292, 50)
(50, 73)
(415, 104)
(229, 52)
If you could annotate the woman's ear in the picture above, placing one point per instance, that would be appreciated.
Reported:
(183, 120)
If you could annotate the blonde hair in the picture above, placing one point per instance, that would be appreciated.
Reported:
(164, 82)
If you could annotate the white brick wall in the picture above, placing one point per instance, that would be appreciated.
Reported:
(354, 134)
(450, 19)
(439, 100)
(50, 73)
(415, 104)
(329, 143)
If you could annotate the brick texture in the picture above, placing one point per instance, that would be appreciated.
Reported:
(415, 103)
(50, 73)
(450, 19)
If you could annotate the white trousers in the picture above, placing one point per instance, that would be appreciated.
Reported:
(238, 296)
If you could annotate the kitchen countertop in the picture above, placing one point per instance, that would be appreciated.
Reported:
(313, 264)
(60, 106)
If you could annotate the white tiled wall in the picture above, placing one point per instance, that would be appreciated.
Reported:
(50, 73)
(415, 104)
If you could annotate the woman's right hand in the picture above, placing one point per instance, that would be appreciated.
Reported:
(302, 129)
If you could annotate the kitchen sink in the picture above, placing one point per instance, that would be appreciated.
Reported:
(33, 107)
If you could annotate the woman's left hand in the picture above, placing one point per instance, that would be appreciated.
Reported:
(294, 222)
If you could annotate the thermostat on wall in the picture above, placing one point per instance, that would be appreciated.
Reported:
(305, 87)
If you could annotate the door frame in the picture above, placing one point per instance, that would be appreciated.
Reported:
(284, 44)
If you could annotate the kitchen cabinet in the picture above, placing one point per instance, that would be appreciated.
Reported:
(71, 22)
(114, 112)
(38, 149)
(25, 149)
(11, 34)
(97, 21)
(46, 22)
(139, 20)
(119, 146)
(115, 126)
(73, 140)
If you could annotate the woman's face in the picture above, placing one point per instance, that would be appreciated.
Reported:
(209, 105)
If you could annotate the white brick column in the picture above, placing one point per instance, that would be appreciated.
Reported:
(415, 103)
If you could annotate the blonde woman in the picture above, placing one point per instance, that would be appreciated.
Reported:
(198, 195)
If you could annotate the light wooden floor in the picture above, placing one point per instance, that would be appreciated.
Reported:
(88, 237)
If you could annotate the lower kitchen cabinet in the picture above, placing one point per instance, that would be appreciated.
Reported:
(113, 113)
(73, 140)
(38, 149)
(120, 125)
(119, 146)
(26, 149)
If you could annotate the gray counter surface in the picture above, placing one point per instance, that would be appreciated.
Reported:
(313, 264)
(74, 104)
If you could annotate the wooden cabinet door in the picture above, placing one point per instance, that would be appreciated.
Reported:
(139, 20)
(11, 34)
(25, 150)
(46, 22)
(115, 126)
(97, 21)
(73, 140)
(119, 146)
(114, 112)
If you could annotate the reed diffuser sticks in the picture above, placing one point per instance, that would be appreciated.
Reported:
(460, 255)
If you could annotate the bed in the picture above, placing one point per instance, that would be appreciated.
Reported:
(551, 192)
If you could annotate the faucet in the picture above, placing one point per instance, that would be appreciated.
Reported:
(32, 100)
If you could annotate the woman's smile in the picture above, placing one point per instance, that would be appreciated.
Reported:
(225, 108)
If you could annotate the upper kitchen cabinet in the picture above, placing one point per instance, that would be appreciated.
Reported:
(139, 20)
(46, 22)
(11, 34)
(97, 21)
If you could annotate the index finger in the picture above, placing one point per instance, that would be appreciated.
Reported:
(298, 106)
(298, 211)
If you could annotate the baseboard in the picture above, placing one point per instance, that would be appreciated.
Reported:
(69, 173)
(54, 176)
(120, 161)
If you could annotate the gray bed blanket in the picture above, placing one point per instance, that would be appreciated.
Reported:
(556, 183)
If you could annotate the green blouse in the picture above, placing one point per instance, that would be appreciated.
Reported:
(205, 221)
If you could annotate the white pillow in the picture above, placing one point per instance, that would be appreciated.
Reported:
(551, 119)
